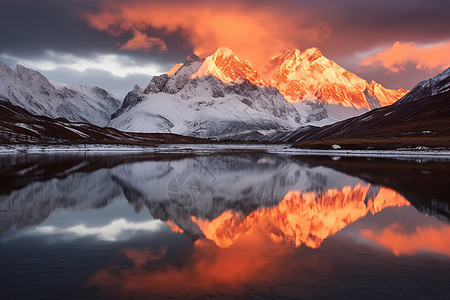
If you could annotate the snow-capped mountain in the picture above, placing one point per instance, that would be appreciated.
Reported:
(430, 87)
(220, 95)
(30, 90)
(309, 75)
(227, 67)
(223, 96)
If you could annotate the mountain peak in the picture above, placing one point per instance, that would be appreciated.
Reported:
(443, 75)
(21, 70)
(32, 76)
(442, 80)
(308, 75)
(312, 53)
(5, 69)
(224, 57)
(224, 52)
(137, 89)
(373, 83)
(429, 87)
(228, 68)
(24, 70)
(192, 58)
(289, 54)
(3, 65)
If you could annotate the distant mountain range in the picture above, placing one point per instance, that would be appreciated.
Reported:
(30, 90)
(309, 75)
(223, 97)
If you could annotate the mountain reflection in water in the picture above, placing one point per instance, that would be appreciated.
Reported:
(302, 218)
(261, 225)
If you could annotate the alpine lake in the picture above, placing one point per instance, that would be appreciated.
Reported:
(247, 225)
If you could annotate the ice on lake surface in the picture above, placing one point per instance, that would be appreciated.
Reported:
(242, 225)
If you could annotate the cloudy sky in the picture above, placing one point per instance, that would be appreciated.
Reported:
(116, 44)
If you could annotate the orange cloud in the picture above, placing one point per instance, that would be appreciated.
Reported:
(396, 58)
(250, 260)
(422, 239)
(253, 31)
(143, 42)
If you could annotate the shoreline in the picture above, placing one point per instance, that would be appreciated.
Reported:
(419, 152)
(399, 153)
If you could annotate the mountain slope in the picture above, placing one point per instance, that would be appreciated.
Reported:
(428, 118)
(30, 90)
(430, 87)
(309, 75)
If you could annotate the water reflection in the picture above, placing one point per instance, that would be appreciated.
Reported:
(400, 240)
(252, 260)
(302, 218)
(262, 225)
(242, 184)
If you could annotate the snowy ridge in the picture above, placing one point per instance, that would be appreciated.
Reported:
(309, 75)
(30, 90)
(228, 68)
(429, 87)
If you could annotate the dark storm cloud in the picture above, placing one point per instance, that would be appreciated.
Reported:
(30, 27)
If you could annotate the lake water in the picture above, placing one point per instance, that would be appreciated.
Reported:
(241, 225)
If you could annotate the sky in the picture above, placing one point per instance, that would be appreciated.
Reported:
(117, 44)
